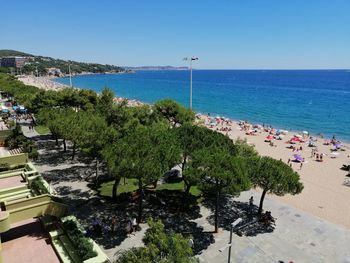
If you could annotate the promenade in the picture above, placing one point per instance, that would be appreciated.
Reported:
(297, 237)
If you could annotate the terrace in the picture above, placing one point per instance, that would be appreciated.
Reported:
(27, 240)
(30, 225)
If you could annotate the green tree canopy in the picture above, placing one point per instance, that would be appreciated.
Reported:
(105, 102)
(274, 176)
(174, 112)
(147, 153)
(160, 247)
(219, 172)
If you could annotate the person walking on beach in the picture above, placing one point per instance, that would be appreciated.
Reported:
(301, 165)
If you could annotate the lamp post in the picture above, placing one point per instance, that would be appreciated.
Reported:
(235, 223)
(70, 76)
(190, 59)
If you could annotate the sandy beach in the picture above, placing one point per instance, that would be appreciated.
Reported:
(46, 83)
(325, 193)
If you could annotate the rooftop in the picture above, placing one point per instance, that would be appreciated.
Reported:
(27, 240)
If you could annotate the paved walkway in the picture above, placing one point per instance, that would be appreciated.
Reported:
(298, 237)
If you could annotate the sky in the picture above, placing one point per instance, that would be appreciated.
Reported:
(232, 34)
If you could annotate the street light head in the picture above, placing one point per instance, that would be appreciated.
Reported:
(194, 58)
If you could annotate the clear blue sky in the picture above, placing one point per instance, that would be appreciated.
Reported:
(230, 34)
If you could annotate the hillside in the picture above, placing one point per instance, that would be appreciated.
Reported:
(8, 52)
(42, 65)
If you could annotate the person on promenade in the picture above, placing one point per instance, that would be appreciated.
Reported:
(134, 224)
(129, 227)
(251, 204)
(191, 242)
(113, 223)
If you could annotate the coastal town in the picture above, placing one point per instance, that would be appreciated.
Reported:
(175, 132)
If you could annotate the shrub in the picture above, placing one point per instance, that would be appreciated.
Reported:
(81, 243)
(39, 186)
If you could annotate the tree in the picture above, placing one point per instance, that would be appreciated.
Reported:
(219, 172)
(147, 153)
(193, 138)
(160, 247)
(174, 112)
(274, 176)
(105, 102)
(93, 134)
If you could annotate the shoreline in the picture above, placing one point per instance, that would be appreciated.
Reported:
(324, 194)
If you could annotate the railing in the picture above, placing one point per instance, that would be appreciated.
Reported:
(32, 207)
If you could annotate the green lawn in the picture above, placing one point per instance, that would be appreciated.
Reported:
(42, 129)
(131, 185)
(179, 186)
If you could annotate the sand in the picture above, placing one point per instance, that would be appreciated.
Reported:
(325, 195)
(46, 83)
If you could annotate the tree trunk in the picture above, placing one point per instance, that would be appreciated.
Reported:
(155, 184)
(73, 154)
(115, 187)
(96, 172)
(56, 138)
(186, 186)
(217, 211)
(64, 145)
(262, 201)
(139, 218)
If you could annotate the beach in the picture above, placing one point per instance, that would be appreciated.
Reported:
(325, 194)
(46, 83)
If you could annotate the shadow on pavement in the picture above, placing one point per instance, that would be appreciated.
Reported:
(230, 210)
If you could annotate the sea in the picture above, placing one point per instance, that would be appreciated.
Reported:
(317, 101)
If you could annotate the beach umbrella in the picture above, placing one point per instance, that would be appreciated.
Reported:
(269, 137)
(295, 139)
(298, 157)
(337, 145)
(305, 132)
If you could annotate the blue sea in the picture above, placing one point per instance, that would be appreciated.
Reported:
(314, 100)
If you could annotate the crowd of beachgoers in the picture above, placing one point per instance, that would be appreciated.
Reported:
(318, 161)
(323, 164)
